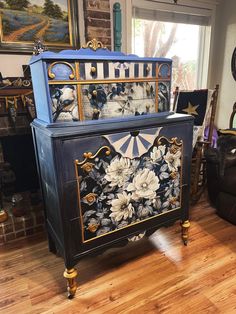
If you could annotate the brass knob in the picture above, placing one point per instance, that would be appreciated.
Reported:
(94, 92)
(93, 69)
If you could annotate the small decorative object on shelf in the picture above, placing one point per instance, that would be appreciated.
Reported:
(39, 47)
(114, 162)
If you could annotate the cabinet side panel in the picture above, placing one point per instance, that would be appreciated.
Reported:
(40, 91)
(46, 165)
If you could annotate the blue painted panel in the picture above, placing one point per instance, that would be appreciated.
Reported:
(62, 71)
(41, 93)
(89, 54)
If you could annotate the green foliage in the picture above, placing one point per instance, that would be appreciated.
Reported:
(57, 12)
(17, 4)
(6, 27)
(1, 5)
(52, 10)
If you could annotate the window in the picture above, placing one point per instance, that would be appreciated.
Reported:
(181, 36)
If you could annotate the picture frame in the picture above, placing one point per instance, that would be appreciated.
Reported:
(54, 22)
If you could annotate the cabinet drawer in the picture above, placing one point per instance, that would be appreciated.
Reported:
(135, 177)
(104, 101)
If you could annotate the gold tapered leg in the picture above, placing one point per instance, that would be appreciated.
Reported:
(70, 275)
(185, 227)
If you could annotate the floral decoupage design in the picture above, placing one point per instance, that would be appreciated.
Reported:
(117, 191)
(103, 101)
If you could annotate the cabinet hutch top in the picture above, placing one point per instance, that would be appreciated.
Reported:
(93, 50)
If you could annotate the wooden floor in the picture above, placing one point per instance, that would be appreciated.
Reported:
(157, 275)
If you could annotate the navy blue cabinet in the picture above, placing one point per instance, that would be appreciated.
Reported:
(113, 161)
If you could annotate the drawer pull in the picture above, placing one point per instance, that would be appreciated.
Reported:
(93, 70)
(94, 92)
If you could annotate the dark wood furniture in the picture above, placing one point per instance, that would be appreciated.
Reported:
(111, 181)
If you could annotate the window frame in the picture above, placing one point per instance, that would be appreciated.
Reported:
(207, 7)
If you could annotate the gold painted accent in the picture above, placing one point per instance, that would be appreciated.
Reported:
(156, 91)
(89, 155)
(93, 227)
(191, 109)
(94, 44)
(52, 75)
(79, 93)
(94, 92)
(173, 140)
(173, 200)
(88, 166)
(70, 275)
(173, 175)
(174, 149)
(90, 198)
(185, 228)
(93, 69)
(106, 81)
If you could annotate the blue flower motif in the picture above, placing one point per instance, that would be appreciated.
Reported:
(98, 96)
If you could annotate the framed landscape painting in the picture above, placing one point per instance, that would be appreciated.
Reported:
(22, 22)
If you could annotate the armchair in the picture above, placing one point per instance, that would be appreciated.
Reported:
(221, 175)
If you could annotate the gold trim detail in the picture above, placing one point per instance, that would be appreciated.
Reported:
(70, 275)
(88, 166)
(93, 69)
(173, 140)
(94, 44)
(90, 198)
(185, 228)
(93, 227)
(52, 75)
(156, 91)
(79, 93)
(107, 81)
(89, 155)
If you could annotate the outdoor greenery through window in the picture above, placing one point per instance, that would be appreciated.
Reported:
(179, 42)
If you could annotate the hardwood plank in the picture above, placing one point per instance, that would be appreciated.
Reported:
(155, 275)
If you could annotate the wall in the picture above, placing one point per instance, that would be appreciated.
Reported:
(224, 44)
(98, 21)
(94, 22)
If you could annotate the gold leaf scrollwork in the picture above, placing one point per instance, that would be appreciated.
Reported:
(94, 44)
(173, 140)
(88, 166)
(89, 155)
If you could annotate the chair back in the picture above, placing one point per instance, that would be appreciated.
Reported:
(201, 104)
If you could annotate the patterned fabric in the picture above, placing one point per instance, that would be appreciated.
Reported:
(194, 103)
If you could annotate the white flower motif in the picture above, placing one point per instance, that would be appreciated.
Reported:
(173, 160)
(157, 153)
(144, 184)
(122, 207)
(119, 171)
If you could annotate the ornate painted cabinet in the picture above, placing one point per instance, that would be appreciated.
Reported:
(113, 161)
